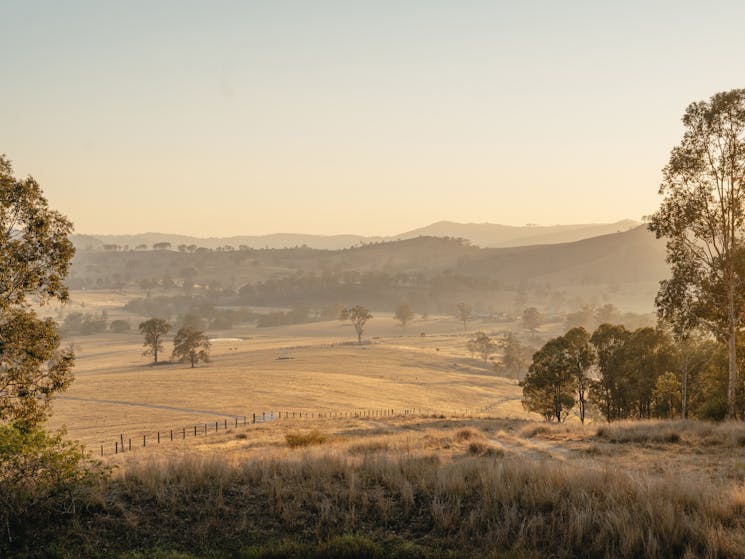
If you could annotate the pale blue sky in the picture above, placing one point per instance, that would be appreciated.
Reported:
(219, 118)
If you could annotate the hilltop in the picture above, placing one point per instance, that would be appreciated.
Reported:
(431, 272)
(479, 234)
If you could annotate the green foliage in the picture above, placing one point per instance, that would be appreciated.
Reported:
(702, 216)
(580, 357)
(548, 388)
(666, 394)
(32, 368)
(35, 252)
(35, 255)
(558, 373)
(44, 480)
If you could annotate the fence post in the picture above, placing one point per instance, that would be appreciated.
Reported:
(216, 424)
(116, 447)
(101, 450)
(226, 424)
(171, 434)
(130, 445)
(263, 416)
(144, 440)
(184, 432)
(195, 430)
(121, 441)
(254, 419)
(158, 437)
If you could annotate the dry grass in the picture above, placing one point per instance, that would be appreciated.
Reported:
(444, 487)
(731, 434)
(115, 391)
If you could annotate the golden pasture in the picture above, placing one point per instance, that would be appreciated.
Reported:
(306, 368)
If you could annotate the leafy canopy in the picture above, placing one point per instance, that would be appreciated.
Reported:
(35, 255)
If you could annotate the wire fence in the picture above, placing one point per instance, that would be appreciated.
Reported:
(125, 443)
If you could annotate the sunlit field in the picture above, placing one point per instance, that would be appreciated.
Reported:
(310, 368)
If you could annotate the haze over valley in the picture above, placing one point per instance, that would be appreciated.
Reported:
(371, 280)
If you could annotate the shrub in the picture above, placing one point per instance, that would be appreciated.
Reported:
(44, 480)
(313, 437)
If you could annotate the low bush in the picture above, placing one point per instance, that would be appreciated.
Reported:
(313, 437)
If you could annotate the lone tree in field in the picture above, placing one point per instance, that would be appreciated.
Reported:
(154, 330)
(358, 316)
(403, 314)
(35, 255)
(464, 311)
(192, 345)
(483, 345)
(702, 216)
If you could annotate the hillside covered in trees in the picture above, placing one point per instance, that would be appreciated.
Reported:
(432, 273)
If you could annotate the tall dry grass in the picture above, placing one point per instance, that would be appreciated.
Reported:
(470, 503)
(730, 433)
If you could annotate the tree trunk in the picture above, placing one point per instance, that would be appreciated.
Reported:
(192, 360)
(155, 350)
(731, 342)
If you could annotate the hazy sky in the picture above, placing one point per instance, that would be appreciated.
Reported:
(219, 118)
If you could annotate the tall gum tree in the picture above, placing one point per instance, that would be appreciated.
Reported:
(35, 256)
(701, 216)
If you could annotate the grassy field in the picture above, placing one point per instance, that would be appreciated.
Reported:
(469, 474)
(309, 368)
(425, 487)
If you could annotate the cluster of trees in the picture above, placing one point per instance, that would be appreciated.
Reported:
(702, 219)
(297, 315)
(180, 306)
(85, 324)
(189, 344)
(165, 245)
(624, 374)
(514, 356)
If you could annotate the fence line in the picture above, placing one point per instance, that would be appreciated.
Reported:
(197, 429)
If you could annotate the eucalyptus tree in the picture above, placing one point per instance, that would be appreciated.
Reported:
(358, 316)
(702, 217)
(154, 329)
(35, 257)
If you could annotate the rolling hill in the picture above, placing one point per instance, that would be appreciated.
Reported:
(479, 234)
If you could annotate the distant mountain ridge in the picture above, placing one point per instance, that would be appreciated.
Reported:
(487, 235)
